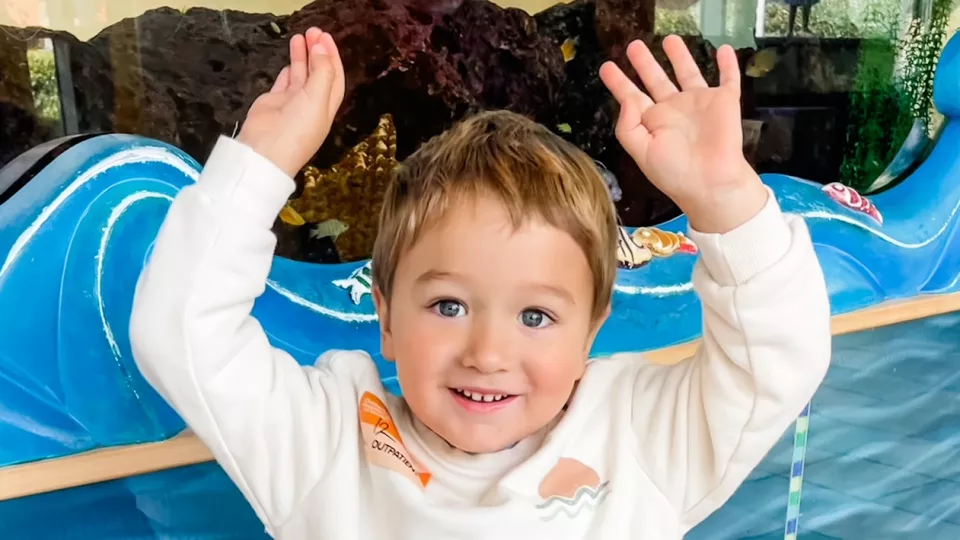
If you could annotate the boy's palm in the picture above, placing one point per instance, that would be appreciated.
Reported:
(289, 123)
(687, 142)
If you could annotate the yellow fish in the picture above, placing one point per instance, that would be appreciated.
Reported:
(762, 63)
(291, 217)
(564, 128)
(569, 49)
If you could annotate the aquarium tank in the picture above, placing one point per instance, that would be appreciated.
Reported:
(834, 91)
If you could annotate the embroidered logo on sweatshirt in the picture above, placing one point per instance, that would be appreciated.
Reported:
(569, 488)
(382, 442)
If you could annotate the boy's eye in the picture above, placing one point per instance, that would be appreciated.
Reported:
(534, 318)
(449, 308)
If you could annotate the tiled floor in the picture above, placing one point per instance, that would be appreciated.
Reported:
(884, 451)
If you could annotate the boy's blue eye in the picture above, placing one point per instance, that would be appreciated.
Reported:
(449, 308)
(534, 318)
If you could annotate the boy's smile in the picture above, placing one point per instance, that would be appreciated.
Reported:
(489, 325)
(482, 401)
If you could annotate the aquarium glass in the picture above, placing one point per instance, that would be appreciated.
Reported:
(833, 90)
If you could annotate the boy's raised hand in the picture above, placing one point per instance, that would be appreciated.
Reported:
(688, 141)
(289, 123)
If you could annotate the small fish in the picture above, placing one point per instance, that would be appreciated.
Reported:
(664, 243)
(358, 284)
(763, 62)
(615, 192)
(569, 49)
(849, 198)
(291, 217)
(564, 128)
(630, 254)
(276, 28)
(330, 228)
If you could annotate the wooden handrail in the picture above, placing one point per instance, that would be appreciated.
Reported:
(186, 449)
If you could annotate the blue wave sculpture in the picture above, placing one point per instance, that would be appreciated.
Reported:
(74, 239)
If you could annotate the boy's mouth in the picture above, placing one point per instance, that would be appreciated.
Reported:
(478, 401)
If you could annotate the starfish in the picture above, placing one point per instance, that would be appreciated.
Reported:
(351, 191)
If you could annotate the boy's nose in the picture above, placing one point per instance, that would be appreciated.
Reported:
(487, 350)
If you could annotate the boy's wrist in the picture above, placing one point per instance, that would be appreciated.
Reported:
(735, 256)
(250, 183)
(724, 209)
(264, 150)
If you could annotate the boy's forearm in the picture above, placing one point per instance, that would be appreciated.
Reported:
(211, 258)
(195, 341)
(765, 305)
(765, 350)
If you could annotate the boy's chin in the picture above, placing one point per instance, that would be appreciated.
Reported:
(480, 441)
(485, 447)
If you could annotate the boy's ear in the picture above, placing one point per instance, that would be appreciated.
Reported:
(383, 315)
(591, 337)
(597, 325)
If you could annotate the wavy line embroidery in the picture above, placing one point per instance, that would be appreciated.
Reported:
(562, 506)
(569, 488)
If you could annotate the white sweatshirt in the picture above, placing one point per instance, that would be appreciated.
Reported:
(643, 451)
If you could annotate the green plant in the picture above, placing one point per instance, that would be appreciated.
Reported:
(894, 87)
(43, 84)
(672, 21)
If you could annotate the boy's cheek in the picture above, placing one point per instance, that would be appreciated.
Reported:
(425, 338)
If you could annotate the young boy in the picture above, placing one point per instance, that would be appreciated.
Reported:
(493, 272)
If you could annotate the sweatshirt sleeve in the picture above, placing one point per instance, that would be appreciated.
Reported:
(704, 424)
(270, 423)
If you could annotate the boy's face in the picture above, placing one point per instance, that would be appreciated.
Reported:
(490, 327)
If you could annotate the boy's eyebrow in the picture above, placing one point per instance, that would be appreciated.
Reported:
(434, 275)
(559, 292)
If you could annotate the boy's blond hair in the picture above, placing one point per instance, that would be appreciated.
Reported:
(532, 171)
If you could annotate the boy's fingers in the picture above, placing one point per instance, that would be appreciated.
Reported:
(686, 69)
(657, 118)
(298, 62)
(313, 37)
(631, 133)
(654, 78)
(283, 80)
(729, 68)
(334, 53)
(622, 87)
(320, 83)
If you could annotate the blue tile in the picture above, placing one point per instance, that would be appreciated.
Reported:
(861, 479)
(937, 501)
(759, 507)
(943, 427)
(838, 515)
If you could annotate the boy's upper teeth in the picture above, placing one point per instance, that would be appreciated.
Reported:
(476, 396)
